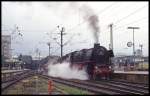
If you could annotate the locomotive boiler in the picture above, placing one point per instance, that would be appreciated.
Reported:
(96, 61)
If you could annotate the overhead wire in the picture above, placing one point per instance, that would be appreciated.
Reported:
(116, 21)
(137, 10)
(135, 21)
(106, 8)
(55, 50)
(139, 20)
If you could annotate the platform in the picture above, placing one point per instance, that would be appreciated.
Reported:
(132, 76)
(12, 71)
(132, 72)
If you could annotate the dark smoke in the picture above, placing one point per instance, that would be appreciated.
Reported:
(88, 14)
(92, 21)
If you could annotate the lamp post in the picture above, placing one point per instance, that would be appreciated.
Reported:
(133, 44)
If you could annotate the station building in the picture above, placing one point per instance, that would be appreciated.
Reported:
(123, 62)
(6, 46)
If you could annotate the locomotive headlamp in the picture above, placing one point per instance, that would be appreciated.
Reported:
(96, 67)
(110, 67)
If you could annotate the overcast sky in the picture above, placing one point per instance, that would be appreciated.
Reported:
(38, 21)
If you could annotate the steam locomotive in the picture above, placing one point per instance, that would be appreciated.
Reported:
(96, 61)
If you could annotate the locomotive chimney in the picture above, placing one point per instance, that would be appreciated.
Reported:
(96, 45)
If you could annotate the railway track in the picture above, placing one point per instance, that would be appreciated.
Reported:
(137, 85)
(119, 87)
(16, 78)
(77, 85)
(11, 78)
(99, 88)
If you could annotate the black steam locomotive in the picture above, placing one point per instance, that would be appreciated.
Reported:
(96, 61)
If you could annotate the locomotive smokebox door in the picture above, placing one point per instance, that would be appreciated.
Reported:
(93, 56)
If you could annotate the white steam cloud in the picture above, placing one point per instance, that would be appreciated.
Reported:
(63, 70)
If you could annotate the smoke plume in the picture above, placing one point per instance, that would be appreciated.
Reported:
(92, 21)
(63, 70)
(88, 14)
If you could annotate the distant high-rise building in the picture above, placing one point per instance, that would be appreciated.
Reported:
(6, 46)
